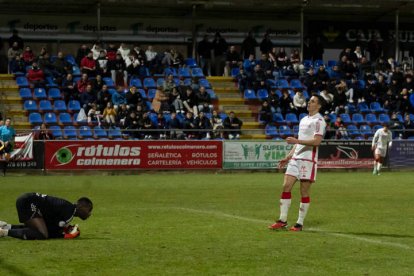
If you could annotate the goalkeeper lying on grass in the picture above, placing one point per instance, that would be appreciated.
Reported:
(46, 217)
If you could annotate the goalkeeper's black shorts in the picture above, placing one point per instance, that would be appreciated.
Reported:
(27, 208)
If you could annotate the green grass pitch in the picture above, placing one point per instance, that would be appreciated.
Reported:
(216, 224)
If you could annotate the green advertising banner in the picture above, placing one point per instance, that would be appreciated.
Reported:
(254, 155)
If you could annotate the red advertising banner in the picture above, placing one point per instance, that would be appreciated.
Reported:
(113, 155)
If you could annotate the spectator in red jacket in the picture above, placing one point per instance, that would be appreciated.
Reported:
(82, 83)
(36, 76)
(28, 55)
(88, 65)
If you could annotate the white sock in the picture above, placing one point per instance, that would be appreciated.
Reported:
(284, 208)
(303, 210)
(379, 165)
(375, 165)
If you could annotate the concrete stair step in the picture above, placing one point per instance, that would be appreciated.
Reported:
(253, 136)
(22, 125)
(252, 125)
(234, 107)
(7, 99)
(220, 79)
(231, 101)
(17, 112)
(228, 95)
(219, 90)
(6, 77)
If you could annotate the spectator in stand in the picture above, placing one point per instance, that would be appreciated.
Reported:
(266, 45)
(17, 65)
(358, 53)
(150, 54)
(233, 60)
(204, 48)
(13, 51)
(204, 100)
(408, 83)
(219, 48)
(249, 46)
(322, 78)
(307, 51)
(310, 80)
(178, 58)
(397, 75)
(176, 102)
(365, 68)
(96, 50)
(133, 66)
(43, 133)
(124, 51)
(249, 64)
(408, 126)
(340, 103)
(286, 104)
(374, 48)
(328, 97)
(371, 92)
(147, 125)
(282, 60)
(349, 69)
(103, 97)
(88, 65)
(382, 68)
(167, 59)
(94, 114)
(317, 49)
(122, 113)
(258, 76)
(273, 101)
(329, 134)
(404, 105)
(217, 124)
(203, 124)
(341, 132)
(299, 102)
(189, 126)
(266, 65)
(169, 84)
(132, 123)
(382, 87)
(390, 101)
(82, 52)
(265, 113)
(42, 53)
(111, 51)
(139, 54)
(102, 64)
(88, 98)
(118, 71)
(61, 66)
(162, 125)
(160, 103)
(47, 67)
(118, 98)
(35, 76)
(242, 80)
(28, 55)
(190, 101)
(82, 83)
(15, 38)
(296, 62)
(233, 124)
(396, 126)
(133, 98)
(109, 114)
(69, 88)
(174, 126)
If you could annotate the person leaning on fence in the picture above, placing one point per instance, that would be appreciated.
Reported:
(233, 125)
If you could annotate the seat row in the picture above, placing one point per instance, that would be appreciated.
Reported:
(84, 132)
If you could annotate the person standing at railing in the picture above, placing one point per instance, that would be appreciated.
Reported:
(7, 134)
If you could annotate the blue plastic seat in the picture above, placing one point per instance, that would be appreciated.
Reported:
(376, 107)
(39, 93)
(296, 130)
(278, 118)
(76, 72)
(149, 83)
(45, 105)
(279, 93)
(25, 93)
(235, 71)
(85, 132)
(249, 94)
(30, 105)
(100, 132)
(22, 82)
(365, 130)
(295, 83)
(197, 72)
(56, 131)
(74, 106)
(384, 118)
(291, 118)
(211, 93)
(351, 108)
(70, 132)
(204, 82)
(318, 63)
(59, 106)
(282, 84)
(332, 63)
(271, 130)
(50, 118)
(371, 119)
(400, 118)
(65, 118)
(35, 118)
(376, 127)
(223, 115)
(71, 59)
(285, 131)
(151, 93)
(143, 94)
(114, 133)
(154, 118)
(332, 116)
(50, 82)
(358, 119)
(352, 130)
(190, 62)
(363, 107)
(262, 94)
(108, 81)
(345, 118)
(184, 72)
(307, 63)
(361, 84)
(160, 82)
(135, 82)
(149, 105)
(54, 94)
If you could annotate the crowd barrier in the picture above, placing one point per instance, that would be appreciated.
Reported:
(200, 154)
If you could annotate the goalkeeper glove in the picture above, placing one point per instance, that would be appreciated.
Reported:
(71, 232)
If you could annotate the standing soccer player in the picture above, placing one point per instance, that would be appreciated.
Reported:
(46, 217)
(302, 161)
(380, 143)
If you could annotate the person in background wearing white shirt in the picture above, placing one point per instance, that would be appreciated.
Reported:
(380, 143)
(301, 163)
(150, 53)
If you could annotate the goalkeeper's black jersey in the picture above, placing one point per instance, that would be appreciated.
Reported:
(55, 211)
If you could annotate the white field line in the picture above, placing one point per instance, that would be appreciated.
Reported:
(259, 221)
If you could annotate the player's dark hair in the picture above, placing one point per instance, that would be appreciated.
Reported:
(321, 102)
(84, 201)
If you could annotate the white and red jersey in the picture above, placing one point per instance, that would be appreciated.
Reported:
(309, 126)
(382, 139)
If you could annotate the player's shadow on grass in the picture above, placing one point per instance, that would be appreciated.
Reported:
(11, 269)
(376, 234)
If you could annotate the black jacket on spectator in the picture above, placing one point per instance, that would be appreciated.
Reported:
(204, 49)
(133, 98)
